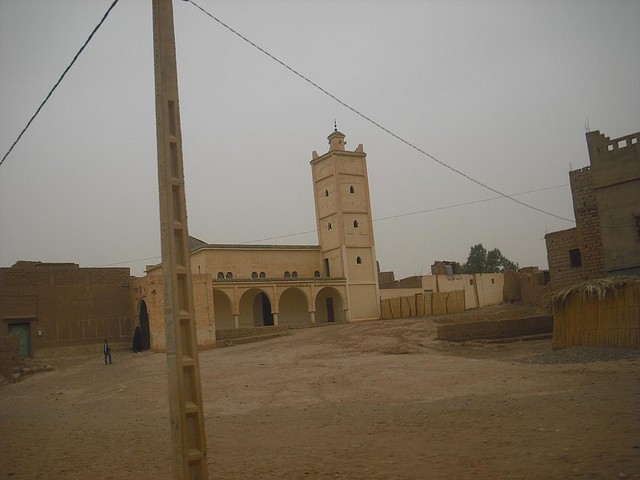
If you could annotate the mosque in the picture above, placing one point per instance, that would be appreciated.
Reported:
(243, 286)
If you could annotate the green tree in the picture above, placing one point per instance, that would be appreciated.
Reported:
(481, 261)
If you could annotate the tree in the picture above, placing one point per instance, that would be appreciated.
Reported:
(481, 261)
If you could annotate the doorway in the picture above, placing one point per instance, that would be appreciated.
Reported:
(331, 317)
(23, 332)
(267, 316)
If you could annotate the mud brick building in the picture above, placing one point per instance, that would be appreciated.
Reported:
(606, 204)
(60, 304)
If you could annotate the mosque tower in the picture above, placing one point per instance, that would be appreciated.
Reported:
(344, 222)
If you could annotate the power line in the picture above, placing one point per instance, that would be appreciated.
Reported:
(104, 17)
(315, 230)
(373, 122)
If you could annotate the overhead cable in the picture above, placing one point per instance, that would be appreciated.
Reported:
(104, 17)
(373, 122)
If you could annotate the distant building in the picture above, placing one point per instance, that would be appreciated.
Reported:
(606, 204)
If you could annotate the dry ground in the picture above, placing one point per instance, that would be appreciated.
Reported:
(375, 400)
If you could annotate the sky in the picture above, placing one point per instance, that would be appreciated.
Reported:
(501, 91)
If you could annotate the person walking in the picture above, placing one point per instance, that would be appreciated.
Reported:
(107, 352)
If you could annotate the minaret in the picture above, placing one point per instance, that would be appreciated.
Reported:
(344, 222)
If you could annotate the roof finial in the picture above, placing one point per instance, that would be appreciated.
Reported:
(335, 125)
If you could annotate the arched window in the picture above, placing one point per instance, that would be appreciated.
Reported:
(294, 274)
(229, 275)
(329, 227)
(287, 274)
(316, 274)
(351, 189)
(326, 193)
(355, 224)
(220, 274)
(358, 260)
(254, 274)
(263, 275)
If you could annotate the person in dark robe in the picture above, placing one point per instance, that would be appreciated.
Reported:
(137, 341)
(107, 352)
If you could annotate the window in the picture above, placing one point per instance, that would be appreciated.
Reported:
(329, 226)
(326, 193)
(493, 281)
(575, 259)
(355, 224)
(358, 260)
(327, 271)
(471, 281)
(229, 275)
(263, 275)
(287, 274)
(294, 274)
(351, 189)
(254, 274)
(316, 274)
(220, 274)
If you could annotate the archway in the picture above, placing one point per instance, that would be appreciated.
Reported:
(294, 308)
(222, 311)
(329, 306)
(255, 309)
(143, 323)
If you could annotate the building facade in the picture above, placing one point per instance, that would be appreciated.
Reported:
(606, 204)
(240, 286)
(49, 305)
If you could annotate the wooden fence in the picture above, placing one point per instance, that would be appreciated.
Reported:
(420, 304)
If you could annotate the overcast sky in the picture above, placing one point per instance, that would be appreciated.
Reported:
(499, 90)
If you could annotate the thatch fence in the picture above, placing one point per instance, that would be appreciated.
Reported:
(603, 312)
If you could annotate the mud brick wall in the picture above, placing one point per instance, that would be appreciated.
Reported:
(9, 353)
(491, 329)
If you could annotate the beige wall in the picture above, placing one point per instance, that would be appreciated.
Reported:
(480, 290)
(242, 262)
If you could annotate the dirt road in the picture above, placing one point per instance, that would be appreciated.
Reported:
(376, 400)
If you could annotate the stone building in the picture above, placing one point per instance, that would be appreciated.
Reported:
(50, 305)
(238, 286)
(606, 204)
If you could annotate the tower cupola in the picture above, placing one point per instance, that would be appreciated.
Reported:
(336, 139)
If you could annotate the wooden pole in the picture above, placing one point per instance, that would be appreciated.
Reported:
(183, 370)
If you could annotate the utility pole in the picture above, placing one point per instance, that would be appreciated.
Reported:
(183, 369)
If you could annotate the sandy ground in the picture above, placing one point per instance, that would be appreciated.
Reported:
(375, 400)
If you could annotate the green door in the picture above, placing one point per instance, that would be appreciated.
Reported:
(22, 331)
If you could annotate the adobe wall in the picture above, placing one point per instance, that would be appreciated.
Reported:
(615, 168)
(558, 246)
(587, 223)
(64, 305)
(150, 289)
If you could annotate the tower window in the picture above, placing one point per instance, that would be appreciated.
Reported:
(229, 275)
(220, 274)
(326, 193)
(358, 260)
(575, 259)
(287, 274)
(294, 274)
(254, 274)
(316, 274)
(351, 189)
(355, 224)
(263, 275)
(329, 227)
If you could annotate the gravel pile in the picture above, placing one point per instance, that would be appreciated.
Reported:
(585, 355)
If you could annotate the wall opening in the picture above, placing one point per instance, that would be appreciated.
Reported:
(143, 320)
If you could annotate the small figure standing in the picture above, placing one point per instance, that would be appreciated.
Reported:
(137, 341)
(107, 352)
